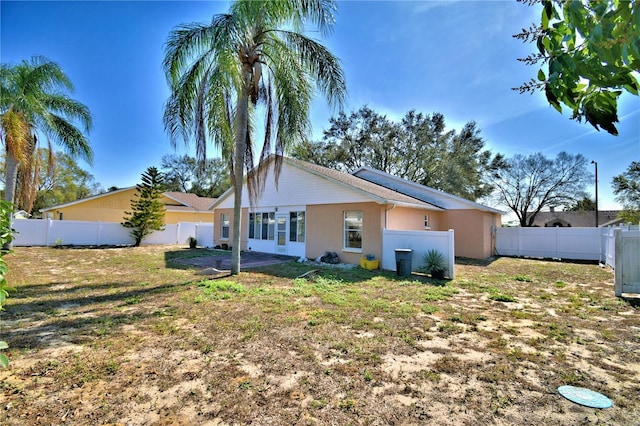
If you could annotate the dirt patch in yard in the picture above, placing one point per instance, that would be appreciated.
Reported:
(137, 336)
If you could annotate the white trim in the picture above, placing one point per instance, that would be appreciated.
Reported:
(351, 250)
(344, 231)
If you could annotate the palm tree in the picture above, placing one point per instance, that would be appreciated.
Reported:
(33, 104)
(251, 60)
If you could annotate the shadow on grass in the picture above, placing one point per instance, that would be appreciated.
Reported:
(632, 301)
(46, 321)
(279, 266)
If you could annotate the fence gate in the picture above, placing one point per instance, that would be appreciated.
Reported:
(627, 269)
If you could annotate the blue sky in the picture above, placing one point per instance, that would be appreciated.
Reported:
(453, 57)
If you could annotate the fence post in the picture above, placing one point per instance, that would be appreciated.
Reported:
(47, 232)
(452, 255)
(618, 263)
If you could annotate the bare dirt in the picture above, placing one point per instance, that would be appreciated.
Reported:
(137, 337)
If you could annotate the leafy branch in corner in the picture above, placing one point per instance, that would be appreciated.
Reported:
(588, 53)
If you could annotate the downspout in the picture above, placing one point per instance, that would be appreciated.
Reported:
(386, 215)
(386, 224)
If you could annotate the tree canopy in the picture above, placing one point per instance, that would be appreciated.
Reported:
(186, 174)
(586, 204)
(527, 184)
(253, 60)
(63, 183)
(419, 148)
(626, 187)
(589, 51)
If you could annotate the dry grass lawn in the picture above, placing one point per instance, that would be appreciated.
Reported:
(127, 336)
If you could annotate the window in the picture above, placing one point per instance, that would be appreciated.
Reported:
(261, 225)
(426, 221)
(296, 227)
(224, 226)
(353, 230)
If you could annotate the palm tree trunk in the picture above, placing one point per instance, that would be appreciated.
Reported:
(242, 117)
(11, 177)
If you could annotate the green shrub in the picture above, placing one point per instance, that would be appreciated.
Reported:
(6, 237)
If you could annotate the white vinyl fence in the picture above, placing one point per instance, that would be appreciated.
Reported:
(48, 232)
(617, 247)
(627, 261)
(553, 243)
(560, 243)
(420, 242)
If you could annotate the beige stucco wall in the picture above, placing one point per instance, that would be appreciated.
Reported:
(406, 219)
(112, 208)
(325, 227)
(217, 229)
(472, 232)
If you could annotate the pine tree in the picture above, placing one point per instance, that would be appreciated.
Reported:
(147, 212)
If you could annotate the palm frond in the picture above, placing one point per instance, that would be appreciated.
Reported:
(41, 74)
(69, 108)
(321, 64)
(72, 140)
(191, 40)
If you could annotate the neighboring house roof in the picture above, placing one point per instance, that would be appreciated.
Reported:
(21, 214)
(186, 202)
(376, 193)
(581, 219)
(191, 200)
(424, 193)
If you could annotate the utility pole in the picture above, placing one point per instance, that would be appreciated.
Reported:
(596, 164)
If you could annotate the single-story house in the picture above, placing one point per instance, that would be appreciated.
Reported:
(111, 207)
(472, 222)
(313, 210)
(574, 219)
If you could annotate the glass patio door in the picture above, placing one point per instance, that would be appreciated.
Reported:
(281, 234)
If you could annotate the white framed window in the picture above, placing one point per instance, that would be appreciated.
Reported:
(296, 227)
(426, 222)
(353, 230)
(262, 225)
(224, 226)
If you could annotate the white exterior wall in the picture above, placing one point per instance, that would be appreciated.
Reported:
(300, 185)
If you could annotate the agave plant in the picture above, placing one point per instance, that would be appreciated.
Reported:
(434, 264)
